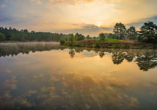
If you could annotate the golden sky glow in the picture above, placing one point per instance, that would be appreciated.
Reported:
(71, 16)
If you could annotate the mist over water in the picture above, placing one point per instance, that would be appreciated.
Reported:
(49, 76)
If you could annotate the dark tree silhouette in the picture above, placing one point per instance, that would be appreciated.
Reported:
(117, 58)
(72, 53)
(129, 57)
(120, 30)
(148, 33)
(146, 61)
(25, 35)
(102, 36)
(101, 54)
(131, 33)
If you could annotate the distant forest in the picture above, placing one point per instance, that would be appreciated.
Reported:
(25, 35)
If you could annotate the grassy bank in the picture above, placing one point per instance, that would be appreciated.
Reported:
(110, 43)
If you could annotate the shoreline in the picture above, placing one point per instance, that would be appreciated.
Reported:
(123, 45)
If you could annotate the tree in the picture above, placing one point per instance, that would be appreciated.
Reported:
(62, 42)
(88, 37)
(72, 38)
(148, 33)
(102, 36)
(131, 32)
(120, 30)
(66, 39)
(12, 37)
(79, 37)
(2, 36)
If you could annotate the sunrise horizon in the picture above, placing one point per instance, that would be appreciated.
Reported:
(87, 17)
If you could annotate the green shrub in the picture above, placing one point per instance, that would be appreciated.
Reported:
(80, 44)
(141, 46)
(122, 46)
(62, 42)
(75, 44)
(89, 40)
(71, 44)
(97, 45)
(66, 44)
(115, 46)
(136, 41)
(151, 47)
(90, 46)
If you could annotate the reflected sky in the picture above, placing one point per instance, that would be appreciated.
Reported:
(79, 79)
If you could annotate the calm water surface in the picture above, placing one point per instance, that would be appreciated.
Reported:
(46, 78)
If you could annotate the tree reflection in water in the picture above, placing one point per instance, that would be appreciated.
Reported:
(129, 57)
(72, 53)
(146, 59)
(101, 54)
(117, 57)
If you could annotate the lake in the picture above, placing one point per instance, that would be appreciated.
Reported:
(46, 76)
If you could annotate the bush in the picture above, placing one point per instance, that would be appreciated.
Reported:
(66, 44)
(122, 46)
(141, 46)
(97, 45)
(115, 46)
(89, 40)
(62, 42)
(80, 44)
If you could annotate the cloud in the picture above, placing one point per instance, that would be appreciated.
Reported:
(74, 2)
(8, 71)
(69, 2)
(87, 28)
(3, 5)
(37, 1)
(7, 102)
(30, 92)
(140, 22)
(10, 83)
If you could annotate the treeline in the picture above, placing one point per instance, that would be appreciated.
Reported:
(147, 34)
(25, 35)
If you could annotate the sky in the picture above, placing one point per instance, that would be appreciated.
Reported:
(87, 17)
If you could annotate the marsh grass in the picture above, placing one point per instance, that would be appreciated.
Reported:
(26, 47)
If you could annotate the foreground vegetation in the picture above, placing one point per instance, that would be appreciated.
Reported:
(110, 43)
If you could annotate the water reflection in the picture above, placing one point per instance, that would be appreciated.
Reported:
(117, 57)
(101, 54)
(95, 79)
(146, 59)
(72, 53)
